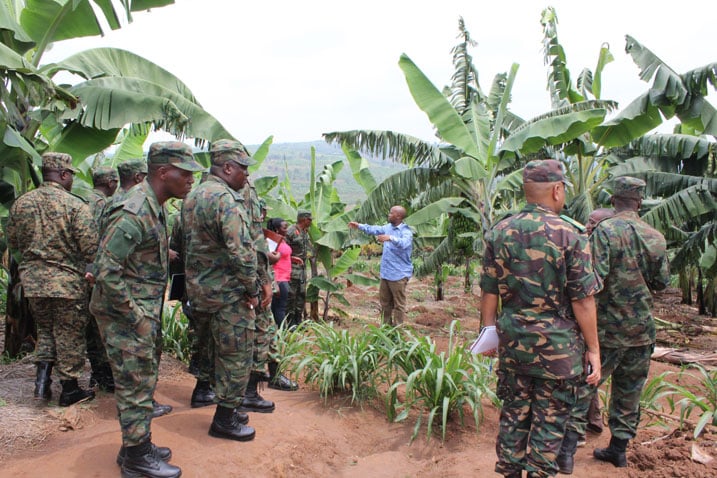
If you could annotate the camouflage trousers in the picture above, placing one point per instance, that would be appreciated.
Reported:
(132, 350)
(96, 352)
(232, 337)
(296, 303)
(628, 367)
(60, 334)
(202, 346)
(264, 339)
(532, 422)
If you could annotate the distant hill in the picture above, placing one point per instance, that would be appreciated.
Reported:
(294, 159)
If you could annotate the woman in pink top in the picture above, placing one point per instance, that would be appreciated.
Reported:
(282, 271)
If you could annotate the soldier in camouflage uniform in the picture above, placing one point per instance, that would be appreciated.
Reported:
(53, 231)
(298, 238)
(221, 272)
(538, 265)
(131, 279)
(104, 180)
(630, 257)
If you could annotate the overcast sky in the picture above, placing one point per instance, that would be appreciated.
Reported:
(297, 69)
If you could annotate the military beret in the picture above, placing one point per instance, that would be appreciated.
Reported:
(544, 171)
(303, 213)
(58, 161)
(131, 167)
(103, 175)
(629, 187)
(174, 153)
(225, 150)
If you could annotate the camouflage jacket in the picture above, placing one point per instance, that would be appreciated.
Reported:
(54, 232)
(538, 263)
(630, 257)
(98, 203)
(301, 247)
(132, 263)
(220, 261)
(251, 199)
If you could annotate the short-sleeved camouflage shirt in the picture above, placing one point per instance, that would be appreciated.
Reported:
(538, 263)
(630, 257)
(54, 232)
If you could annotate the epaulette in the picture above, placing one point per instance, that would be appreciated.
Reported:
(134, 202)
(573, 222)
(83, 199)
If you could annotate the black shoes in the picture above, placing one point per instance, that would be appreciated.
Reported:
(162, 452)
(143, 461)
(160, 409)
(253, 402)
(567, 452)
(614, 453)
(278, 381)
(102, 378)
(202, 395)
(227, 424)
(43, 381)
(72, 393)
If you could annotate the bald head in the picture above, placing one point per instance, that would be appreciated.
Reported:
(396, 215)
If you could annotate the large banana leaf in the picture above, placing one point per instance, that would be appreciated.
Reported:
(360, 169)
(433, 210)
(440, 112)
(688, 204)
(131, 141)
(397, 147)
(552, 131)
(637, 119)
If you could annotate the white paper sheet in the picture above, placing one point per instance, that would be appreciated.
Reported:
(486, 341)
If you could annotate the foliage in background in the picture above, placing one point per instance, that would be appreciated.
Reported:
(701, 400)
(175, 332)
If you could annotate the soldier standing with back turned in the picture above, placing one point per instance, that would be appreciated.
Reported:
(131, 279)
(54, 232)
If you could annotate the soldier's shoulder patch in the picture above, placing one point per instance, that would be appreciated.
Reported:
(134, 202)
(573, 223)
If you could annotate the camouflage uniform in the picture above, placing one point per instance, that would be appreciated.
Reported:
(300, 242)
(537, 263)
(53, 231)
(221, 270)
(131, 278)
(125, 169)
(630, 257)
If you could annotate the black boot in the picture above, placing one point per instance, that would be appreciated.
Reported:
(278, 381)
(43, 381)
(567, 452)
(72, 393)
(202, 395)
(226, 424)
(614, 453)
(159, 409)
(102, 378)
(162, 452)
(143, 461)
(253, 402)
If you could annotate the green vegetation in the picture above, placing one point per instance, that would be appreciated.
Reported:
(175, 332)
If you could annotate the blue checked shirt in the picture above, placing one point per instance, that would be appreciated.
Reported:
(396, 259)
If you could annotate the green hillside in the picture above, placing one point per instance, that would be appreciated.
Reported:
(294, 160)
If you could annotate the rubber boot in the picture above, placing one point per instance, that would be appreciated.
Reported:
(159, 409)
(226, 425)
(43, 381)
(202, 395)
(72, 393)
(278, 381)
(143, 461)
(614, 453)
(567, 452)
(253, 402)
(162, 452)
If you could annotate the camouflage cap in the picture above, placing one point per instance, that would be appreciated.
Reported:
(103, 175)
(225, 150)
(131, 167)
(174, 153)
(629, 187)
(57, 161)
(544, 171)
(302, 214)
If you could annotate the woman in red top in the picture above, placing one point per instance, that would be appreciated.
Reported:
(282, 271)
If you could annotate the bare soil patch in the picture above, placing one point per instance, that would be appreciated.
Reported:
(306, 436)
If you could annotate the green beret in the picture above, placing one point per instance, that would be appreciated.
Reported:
(225, 150)
(629, 187)
(103, 175)
(544, 171)
(174, 153)
(57, 161)
(131, 167)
